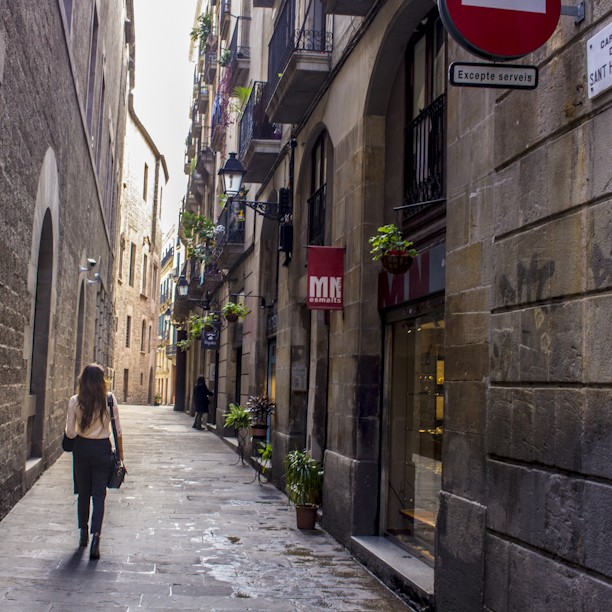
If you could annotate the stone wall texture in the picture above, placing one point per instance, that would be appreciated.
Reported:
(529, 398)
(138, 287)
(57, 210)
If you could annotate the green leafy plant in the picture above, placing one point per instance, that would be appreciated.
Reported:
(303, 478)
(157, 399)
(234, 309)
(225, 58)
(389, 238)
(198, 234)
(237, 417)
(203, 29)
(210, 319)
(260, 407)
(264, 451)
(185, 345)
(241, 95)
(196, 325)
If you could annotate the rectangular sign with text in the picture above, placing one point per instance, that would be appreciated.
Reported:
(325, 278)
(477, 74)
(599, 61)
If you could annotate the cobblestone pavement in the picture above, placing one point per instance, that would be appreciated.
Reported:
(191, 529)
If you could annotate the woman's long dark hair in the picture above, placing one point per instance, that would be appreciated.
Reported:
(91, 395)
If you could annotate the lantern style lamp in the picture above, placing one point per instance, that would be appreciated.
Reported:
(182, 286)
(232, 175)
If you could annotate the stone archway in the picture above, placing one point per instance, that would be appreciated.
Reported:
(38, 339)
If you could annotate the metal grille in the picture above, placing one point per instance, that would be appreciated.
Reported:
(286, 39)
(255, 122)
(424, 173)
(316, 217)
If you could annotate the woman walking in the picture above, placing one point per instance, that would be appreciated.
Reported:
(200, 399)
(88, 421)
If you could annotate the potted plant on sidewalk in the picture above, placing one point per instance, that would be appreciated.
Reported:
(240, 420)
(260, 407)
(392, 249)
(304, 486)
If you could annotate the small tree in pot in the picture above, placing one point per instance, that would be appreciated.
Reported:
(304, 486)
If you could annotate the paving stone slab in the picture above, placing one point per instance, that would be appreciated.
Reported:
(191, 529)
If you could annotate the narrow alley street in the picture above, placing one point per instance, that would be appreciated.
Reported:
(191, 529)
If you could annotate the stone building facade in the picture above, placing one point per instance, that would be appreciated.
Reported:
(138, 265)
(166, 333)
(63, 78)
(461, 409)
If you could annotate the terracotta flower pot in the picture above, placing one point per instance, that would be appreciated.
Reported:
(396, 262)
(306, 516)
(259, 431)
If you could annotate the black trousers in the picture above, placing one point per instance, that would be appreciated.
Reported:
(92, 466)
(198, 418)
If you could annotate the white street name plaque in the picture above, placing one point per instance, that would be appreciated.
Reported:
(599, 61)
(477, 74)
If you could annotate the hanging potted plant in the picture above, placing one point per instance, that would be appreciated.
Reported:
(209, 321)
(233, 311)
(392, 249)
(304, 486)
(260, 408)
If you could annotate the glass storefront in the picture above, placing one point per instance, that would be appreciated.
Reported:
(413, 437)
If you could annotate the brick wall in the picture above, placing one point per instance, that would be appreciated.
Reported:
(48, 162)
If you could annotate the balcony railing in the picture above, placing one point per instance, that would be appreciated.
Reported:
(230, 245)
(167, 257)
(255, 123)
(286, 39)
(316, 217)
(425, 139)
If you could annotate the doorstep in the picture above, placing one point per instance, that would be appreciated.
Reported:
(397, 568)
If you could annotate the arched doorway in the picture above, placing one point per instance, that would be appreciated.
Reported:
(40, 341)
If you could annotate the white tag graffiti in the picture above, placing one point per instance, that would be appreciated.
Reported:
(526, 6)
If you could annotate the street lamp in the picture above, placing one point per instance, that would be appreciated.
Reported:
(232, 176)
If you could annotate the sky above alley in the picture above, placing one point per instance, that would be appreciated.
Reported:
(164, 80)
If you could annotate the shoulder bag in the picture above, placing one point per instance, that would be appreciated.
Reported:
(118, 470)
(68, 443)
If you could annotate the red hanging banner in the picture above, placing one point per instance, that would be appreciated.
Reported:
(325, 278)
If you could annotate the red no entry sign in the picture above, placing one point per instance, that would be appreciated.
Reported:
(500, 29)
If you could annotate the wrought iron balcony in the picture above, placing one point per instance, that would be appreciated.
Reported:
(230, 245)
(347, 7)
(203, 97)
(167, 256)
(240, 51)
(217, 123)
(259, 139)
(425, 142)
(298, 62)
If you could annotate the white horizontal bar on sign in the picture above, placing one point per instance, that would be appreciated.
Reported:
(526, 6)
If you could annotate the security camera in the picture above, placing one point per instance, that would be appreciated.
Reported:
(92, 263)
